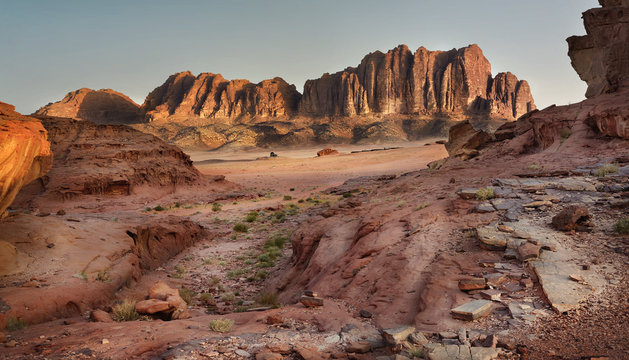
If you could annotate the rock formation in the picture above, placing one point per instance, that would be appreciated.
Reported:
(104, 106)
(601, 58)
(109, 159)
(211, 96)
(397, 96)
(424, 82)
(24, 153)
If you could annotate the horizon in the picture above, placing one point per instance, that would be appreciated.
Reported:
(127, 47)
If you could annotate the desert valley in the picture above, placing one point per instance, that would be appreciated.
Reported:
(412, 207)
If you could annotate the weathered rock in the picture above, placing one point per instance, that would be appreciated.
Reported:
(398, 334)
(467, 194)
(24, 153)
(528, 251)
(464, 141)
(491, 341)
(492, 239)
(103, 106)
(491, 294)
(472, 310)
(100, 316)
(161, 291)
(274, 319)
(365, 314)
(568, 218)
(600, 57)
(311, 301)
(268, 356)
(472, 284)
(418, 338)
(327, 151)
(152, 306)
(309, 353)
(359, 347)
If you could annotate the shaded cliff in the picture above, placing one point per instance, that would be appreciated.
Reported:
(103, 106)
(601, 58)
(24, 153)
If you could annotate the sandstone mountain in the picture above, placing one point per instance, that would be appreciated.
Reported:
(103, 106)
(24, 153)
(396, 96)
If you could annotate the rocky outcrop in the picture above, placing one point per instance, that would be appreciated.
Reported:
(103, 106)
(464, 141)
(601, 58)
(24, 153)
(211, 96)
(96, 159)
(424, 82)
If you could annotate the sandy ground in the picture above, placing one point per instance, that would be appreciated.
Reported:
(306, 173)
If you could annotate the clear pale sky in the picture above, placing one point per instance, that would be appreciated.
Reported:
(48, 48)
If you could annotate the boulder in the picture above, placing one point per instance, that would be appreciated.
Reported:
(464, 141)
(327, 151)
(152, 306)
(100, 316)
(396, 335)
(472, 284)
(311, 301)
(570, 217)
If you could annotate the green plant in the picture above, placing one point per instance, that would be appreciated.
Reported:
(177, 204)
(347, 194)
(277, 241)
(292, 189)
(232, 274)
(147, 209)
(485, 193)
(125, 311)
(221, 325)
(228, 297)
(252, 216)
(81, 276)
(260, 275)
(208, 261)
(565, 133)
(535, 167)
(13, 323)
(279, 216)
(159, 208)
(416, 352)
(103, 275)
(300, 201)
(622, 226)
(180, 270)
(606, 170)
(240, 227)
(216, 207)
(207, 299)
(249, 262)
(187, 295)
(288, 197)
(270, 299)
(422, 206)
(401, 203)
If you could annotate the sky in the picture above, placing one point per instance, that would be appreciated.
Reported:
(48, 48)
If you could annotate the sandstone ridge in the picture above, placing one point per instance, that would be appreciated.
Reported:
(103, 106)
(24, 153)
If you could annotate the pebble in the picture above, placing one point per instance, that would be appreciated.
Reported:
(105, 341)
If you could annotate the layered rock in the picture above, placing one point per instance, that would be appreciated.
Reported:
(601, 58)
(24, 153)
(424, 82)
(110, 159)
(211, 96)
(103, 106)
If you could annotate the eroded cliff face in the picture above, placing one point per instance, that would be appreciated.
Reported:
(103, 106)
(211, 96)
(601, 58)
(424, 82)
(24, 153)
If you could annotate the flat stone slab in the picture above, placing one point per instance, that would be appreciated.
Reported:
(463, 352)
(491, 238)
(398, 334)
(311, 301)
(472, 284)
(472, 310)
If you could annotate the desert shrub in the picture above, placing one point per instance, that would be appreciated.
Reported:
(252, 216)
(606, 170)
(288, 197)
(270, 299)
(422, 206)
(565, 133)
(240, 227)
(103, 275)
(13, 323)
(207, 299)
(232, 274)
(159, 208)
(221, 325)
(622, 226)
(273, 252)
(415, 352)
(264, 257)
(485, 193)
(125, 311)
(216, 207)
(292, 189)
(279, 216)
(260, 275)
(147, 209)
(187, 295)
(347, 194)
(277, 242)
(301, 201)
(535, 167)
(177, 204)
(228, 297)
